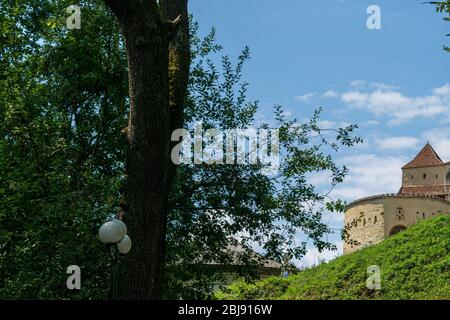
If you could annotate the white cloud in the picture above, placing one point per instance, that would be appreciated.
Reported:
(321, 178)
(440, 140)
(331, 94)
(355, 98)
(326, 124)
(329, 124)
(397, 143)
(382, 99)
(363, 145)
(382, 86)
(369, 174)
(358, 83)
(306, 97)
(369, 123)
(287, 113)
(444, 90)
(376, 85)
(331, 218)
(313, 256)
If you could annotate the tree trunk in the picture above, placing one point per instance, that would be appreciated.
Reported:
(149, 169)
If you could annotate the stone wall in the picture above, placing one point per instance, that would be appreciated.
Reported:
(426, 176)
(378, 215)
(368, 228)
(406, 211)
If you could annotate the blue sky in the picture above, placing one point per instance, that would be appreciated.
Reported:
(393, 82)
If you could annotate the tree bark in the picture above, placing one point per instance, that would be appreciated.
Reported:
(153, 85)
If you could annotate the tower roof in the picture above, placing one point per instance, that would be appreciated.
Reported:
(425, 158)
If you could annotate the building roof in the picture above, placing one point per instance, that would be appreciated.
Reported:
(396, 195)
(438, 190)
(425, 158)
(238, 251)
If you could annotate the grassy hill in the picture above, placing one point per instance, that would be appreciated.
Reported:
(415, 264)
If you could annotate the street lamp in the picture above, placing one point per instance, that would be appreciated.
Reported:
(114, 234)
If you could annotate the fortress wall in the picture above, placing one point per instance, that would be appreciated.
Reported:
(446, 171)
(390, 211)
(414, 176)
(370, 229)
(408, 211)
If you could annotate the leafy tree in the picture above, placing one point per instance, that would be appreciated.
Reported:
(218, 207)
(63, 102)
(156, 34)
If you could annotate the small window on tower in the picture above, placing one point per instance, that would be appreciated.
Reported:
(412, 177)
(375, 220)
(436, 175)
(424, 175)
(400, 215)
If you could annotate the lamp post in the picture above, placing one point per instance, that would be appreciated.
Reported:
(114, 235)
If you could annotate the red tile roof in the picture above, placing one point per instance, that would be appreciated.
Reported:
(439, 190)
(425, 158)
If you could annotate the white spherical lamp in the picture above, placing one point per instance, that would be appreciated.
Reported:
(110, 232)
(122, 226)
(125, 245)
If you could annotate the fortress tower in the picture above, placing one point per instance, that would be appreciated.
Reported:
(424, 193)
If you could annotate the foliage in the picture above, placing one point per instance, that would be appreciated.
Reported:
(414, 264)
(62, 106)
(443, 6)
(63, 103)
(217, 207)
